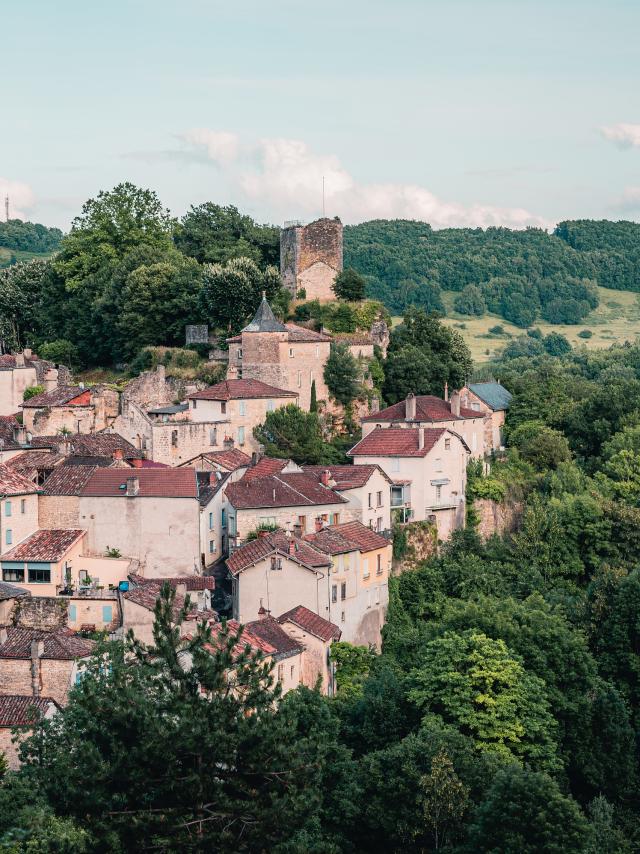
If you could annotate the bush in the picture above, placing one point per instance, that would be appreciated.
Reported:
(585, 333)
(211, 373)
(60, 352)
(470, 301)
(32, 392)
(495, 330)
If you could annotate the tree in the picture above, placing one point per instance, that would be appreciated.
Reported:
(313, 401)
(620, 477)
(232, 293)
(478, 685)
(524, 812)
(349, 285)
(540, 445)
(470, 301)
(352, 666)
(20, 303)
(60, 352)
(556, 344)
(444, 798)
(291, 433)
(186, 745)
(213, 234)
(341, 374)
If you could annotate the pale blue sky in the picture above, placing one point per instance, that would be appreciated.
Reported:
(455, 112)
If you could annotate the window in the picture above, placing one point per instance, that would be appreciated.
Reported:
(7, 508)
(299, 379)
(438, 464)
(447, 444)
(8, 537)
(395, 463)
(270, 406)
(291, 352)
(239, 352)
(174, 438)
(317, 351)
(438, 494)
(334, 592)
(223, 407)
(379, 499)
(13, 572)
(23, 505)
(194, 404)
(377, 595)
(39, 575)
(379, 565)
(242, 407)
(281, 673)
(241, 435)
(335, 518)
(370, 497)
(365, 567)
(73, 613)
(342, 617)
(475, 407)
(293, 670)
(224, 518)
(213, 435)
(107, 613)
(343, 590)
(212, 546)
(379, 524)
(302, 521)
(211, 521)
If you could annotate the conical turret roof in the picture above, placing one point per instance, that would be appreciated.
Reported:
(265, 320)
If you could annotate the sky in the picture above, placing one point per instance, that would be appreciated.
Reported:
(456, 112)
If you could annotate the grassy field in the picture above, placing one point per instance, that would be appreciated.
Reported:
(7, 255)
(617, 319)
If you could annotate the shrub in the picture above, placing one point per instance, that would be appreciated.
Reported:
(585, 333)
(32, 392)
(496, 330)
(59, 352)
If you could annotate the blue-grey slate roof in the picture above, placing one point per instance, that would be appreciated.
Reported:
(265, 320)
(493, 394)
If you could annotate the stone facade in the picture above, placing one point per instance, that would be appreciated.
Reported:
(97, 409)
(311, 257)
(46, 613)
(54, 677)
(59, 511)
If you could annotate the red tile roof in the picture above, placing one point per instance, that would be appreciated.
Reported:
(240, 390)
(8, 423)
(396, 442)
(90, 444)
(61, 645)
(8, 361)
(331, 542)
(231, 459)
(30, 463)
(276, 543)
(45, 545)
(360, 535)
(312, 623)
(160, 483)
(66, 395)
(428, 408)
(264, 467)
(23, 709)
(247, 638)
(302, 334)
(146, 592)
(14, 483)
(283, 490)
(347, 476)
(68, 480)
(270, 631)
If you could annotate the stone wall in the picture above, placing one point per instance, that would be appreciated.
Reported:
(58, 511)
(54, 677)
(310, 257)
(41, 612)
(495, 518)
(152, 389)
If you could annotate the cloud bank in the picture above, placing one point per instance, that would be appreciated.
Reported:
(21, 198)
(624, 135)
(285, 176)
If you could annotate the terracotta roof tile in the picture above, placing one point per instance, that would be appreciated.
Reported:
(302, 334)
(361, 536)
(30, 463)
(45, 545)
(14, 483)
(8, 424)
(282, 490)
(161, 483)
(428, 408)
(61, 645)
(23, 709)
(312, 623)
(276, 543)
(66, 395)
(264, 467)
(270, 631)
(68, 480)
(331, 542)
(146, 592)
(347, 476)
(8, 361)
(247, 638)
(396, 442)
(231, 459)
(90, 444)
(240, 390)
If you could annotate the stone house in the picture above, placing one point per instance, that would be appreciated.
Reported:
(492, 399)
(21, 710)
(9, 596)
(367, 489)
(13, 438)
(71, 409)
(233, 462)
(18, 372)
(18, 508)
(316, 636)
(41, 664)
(311, 257)
(235, 407)
(283, 355)
(428, 468)
(284, 651)
(432, 412)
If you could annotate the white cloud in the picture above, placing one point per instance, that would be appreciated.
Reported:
(624, 135)
(629, 202)
(21, 198)
(285, 176)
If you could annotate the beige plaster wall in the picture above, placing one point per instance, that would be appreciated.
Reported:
(13, 384)
(21, 524)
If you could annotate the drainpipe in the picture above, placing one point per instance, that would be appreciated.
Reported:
(37, 651)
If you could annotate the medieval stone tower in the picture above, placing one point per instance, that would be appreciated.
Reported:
(310, 257)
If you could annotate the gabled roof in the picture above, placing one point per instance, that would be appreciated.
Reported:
(276, 543)
(209, 484)
(366, 539)
(282, 490)
(160, 483)
(30, 463)
(269, 630)
(45, 545)
(66, 395)
(331, 542)
(396, 442)
(247, 638)
(68, 480)
(8, 423)
(264, 320)
(8, 361)
(303, 335)
(348, 476)
(24, 709)
(264, 467)
(11, 591)
(14, 483)
(428, 408)
(493, 394)
(312, 623)
(60, 645)
(230, 459)
(240, 390)
(90, 444)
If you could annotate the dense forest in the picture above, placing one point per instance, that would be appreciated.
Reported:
(520, 275)
(501, 716)
(26, 237)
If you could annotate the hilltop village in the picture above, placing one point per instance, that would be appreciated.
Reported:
(109, 494)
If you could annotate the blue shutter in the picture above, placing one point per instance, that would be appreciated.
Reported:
(107, 613)
(9, 536)
(73, 613)
(7, 508)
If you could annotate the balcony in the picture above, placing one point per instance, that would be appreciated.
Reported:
(450, 504)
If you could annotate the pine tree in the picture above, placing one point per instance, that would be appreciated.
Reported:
(313, 404)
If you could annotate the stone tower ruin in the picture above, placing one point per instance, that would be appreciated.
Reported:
(310, 257)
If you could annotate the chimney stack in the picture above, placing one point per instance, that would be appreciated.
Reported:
(37, 651)
(19, 360)
(20, 434)
(319, 525)
(133, 487)
(118, 454)
(181, 590)
(325, 477)
(27, 352)
(51, 380)
(262, 612)
(297, 530)
(421, 438)
(292, 547)
(410, 407)
(455, 403)
(446, 391)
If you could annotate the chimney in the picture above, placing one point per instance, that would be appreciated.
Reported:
(3, 634)
(64, 447)
(421, 438)
(27, 352)
(455, 403)
(262, 612)
(325, 477)
(181, 590)
(297, 530)
(19, 360)
(446, 391)
(118, 454)
(262, 535)
(37, 651)
(319, 525)
(133, 487)
(292, 547)
(51, 380)
(375, 404)
(20, 434)
(410, 407)
(228, 443)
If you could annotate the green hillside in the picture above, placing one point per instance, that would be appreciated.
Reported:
(24, 241)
